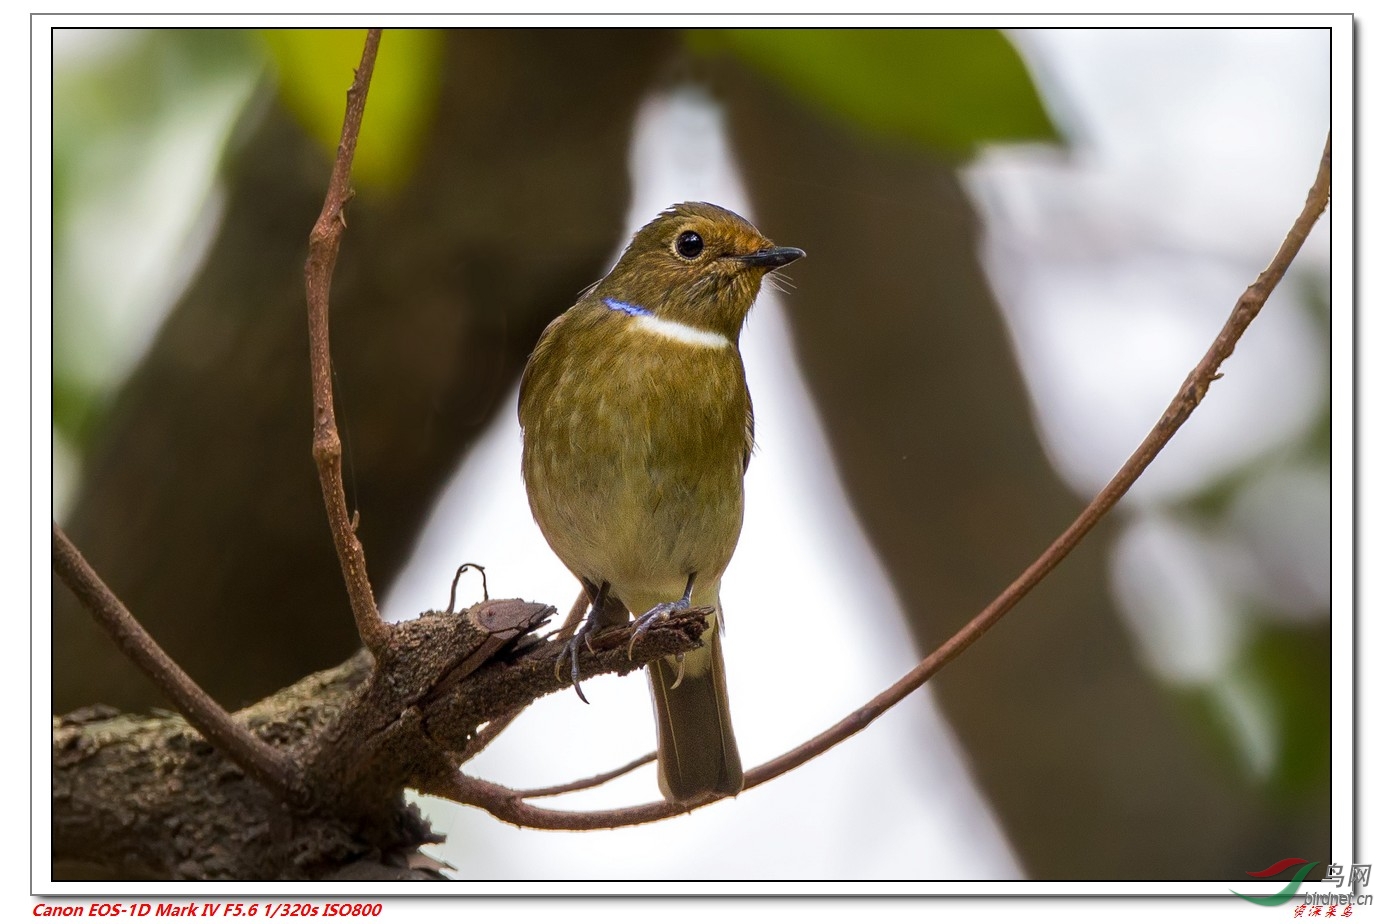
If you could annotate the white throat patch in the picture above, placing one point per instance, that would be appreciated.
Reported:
(679, 332)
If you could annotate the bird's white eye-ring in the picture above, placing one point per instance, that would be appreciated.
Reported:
(688, 245)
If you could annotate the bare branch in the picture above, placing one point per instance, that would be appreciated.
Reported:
(509, 805)
(260, 761)
(1189, 396)
(323, 244)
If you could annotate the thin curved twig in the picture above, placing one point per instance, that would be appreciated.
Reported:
(259, 760)
(452, 596)
(588, 783)
(323, 244)
(509, 805)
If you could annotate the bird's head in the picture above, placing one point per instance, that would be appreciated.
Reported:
(695, 263)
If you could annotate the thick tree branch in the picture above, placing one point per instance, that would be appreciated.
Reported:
(147, 797)
(360, 733)
(260, 761)
(509, 805)
(323, 244)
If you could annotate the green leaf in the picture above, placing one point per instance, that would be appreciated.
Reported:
(947, 89)
(315, 68)
(1268, 720)
(1293, 664)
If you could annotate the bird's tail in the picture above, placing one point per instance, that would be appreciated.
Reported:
(697, 748)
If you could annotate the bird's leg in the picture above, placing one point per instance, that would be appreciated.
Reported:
(583, 635)
(663, 609)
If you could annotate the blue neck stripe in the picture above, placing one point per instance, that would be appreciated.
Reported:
(627, 308)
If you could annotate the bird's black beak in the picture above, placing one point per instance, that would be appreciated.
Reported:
(773, 258)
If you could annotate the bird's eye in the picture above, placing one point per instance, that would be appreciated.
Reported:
(688, 245)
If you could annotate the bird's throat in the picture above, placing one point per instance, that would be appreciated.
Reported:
(678, 332)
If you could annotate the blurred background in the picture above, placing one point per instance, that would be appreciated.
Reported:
(1019, 243)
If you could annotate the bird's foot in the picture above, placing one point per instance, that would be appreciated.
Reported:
(663, 609)
(572, 651)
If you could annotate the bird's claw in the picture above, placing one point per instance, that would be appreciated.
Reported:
(569, 655)
(644, 622)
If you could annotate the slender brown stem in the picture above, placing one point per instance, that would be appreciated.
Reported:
(1188, 397)
(589, 782)
(323, 244)
(260, 761)
(508, 805)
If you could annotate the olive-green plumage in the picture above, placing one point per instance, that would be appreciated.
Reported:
(637, 431)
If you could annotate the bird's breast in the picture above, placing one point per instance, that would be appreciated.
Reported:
(635, 441)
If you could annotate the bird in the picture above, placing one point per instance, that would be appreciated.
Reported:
(637, 431)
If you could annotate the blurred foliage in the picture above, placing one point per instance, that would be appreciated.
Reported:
(315, 67)
(127, 92)
(1274, 697)
(1294, 665)
(947, 89)
(130, 108)
(140, 118)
